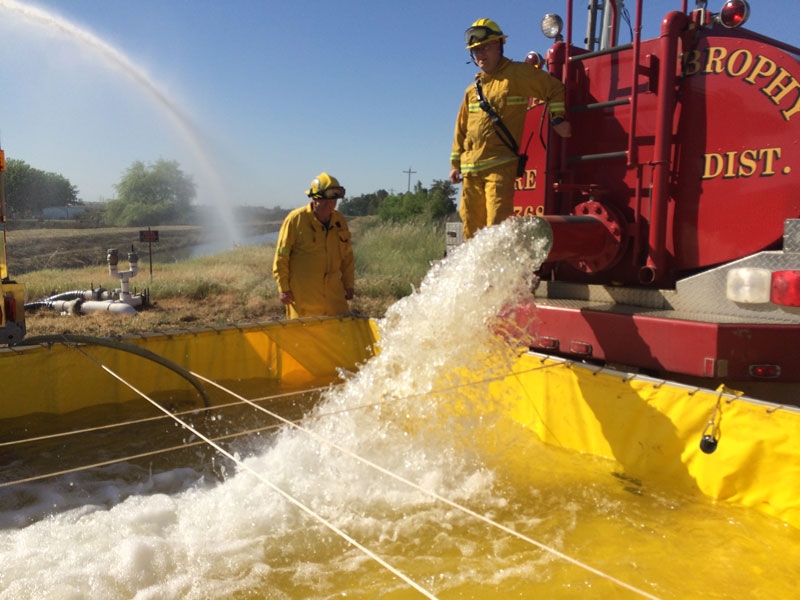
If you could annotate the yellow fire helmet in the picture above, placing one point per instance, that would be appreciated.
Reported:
(481, 32)
(325, 186)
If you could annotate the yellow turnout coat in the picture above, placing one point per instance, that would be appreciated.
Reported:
(315, 263)
(476, 145)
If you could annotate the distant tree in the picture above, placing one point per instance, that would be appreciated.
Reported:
(424, 204)
(30, 190)
(160, 193)
(442, 197)
(366, 204)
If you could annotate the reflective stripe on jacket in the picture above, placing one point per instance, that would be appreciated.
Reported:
(476, 145)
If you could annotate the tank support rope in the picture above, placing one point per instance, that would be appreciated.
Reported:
(132, 457)
(242, 400)
(192, 411)
(438, 497)
(288, 497)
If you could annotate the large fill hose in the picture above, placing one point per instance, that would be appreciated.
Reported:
(118, 345)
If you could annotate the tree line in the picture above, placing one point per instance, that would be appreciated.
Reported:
(146, 194)
(427, 204)
(29, 191)
(161, 193)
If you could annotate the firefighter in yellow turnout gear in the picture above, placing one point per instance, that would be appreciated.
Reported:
(481, 160)
(314, 265)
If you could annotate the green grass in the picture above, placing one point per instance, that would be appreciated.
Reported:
(390, 259)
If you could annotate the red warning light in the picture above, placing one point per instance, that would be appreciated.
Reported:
(785, 288)
(734, 13)
(582, 348)
(535, 59)
(765, 371)
(547, 343)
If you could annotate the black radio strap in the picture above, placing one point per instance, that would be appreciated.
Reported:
(502, 131)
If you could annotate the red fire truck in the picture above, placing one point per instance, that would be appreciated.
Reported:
(675, 205)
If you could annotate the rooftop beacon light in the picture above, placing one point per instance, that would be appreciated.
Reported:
(552, 26)
(535, 59)
(734, 13)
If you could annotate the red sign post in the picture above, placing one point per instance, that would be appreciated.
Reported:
(149, 236)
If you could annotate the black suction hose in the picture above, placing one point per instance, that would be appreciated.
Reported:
(118, 345)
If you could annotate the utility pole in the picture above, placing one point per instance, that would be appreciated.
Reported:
(409, 177)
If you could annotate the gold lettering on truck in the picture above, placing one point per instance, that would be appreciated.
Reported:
(742, 163)
(774, 81)
(527, 181)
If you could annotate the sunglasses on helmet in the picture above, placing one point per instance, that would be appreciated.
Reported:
(478, 34)
(331, 193)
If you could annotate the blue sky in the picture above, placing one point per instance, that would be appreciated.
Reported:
(260, 96)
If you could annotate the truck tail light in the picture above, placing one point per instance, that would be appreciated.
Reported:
(765, 371)
(734, 13)
(785, 288)
(749, 285)
(582, 348)
(547, 343)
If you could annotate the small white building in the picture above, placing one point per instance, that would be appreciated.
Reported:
(62, 212)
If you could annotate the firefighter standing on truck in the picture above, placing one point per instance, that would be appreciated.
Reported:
(486, 156)
(314, 266)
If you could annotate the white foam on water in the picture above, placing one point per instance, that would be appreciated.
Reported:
(212, 540)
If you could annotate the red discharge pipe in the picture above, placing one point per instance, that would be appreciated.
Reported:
(579, 238)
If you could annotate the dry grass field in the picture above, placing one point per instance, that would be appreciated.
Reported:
(49, 261)
(232, 287)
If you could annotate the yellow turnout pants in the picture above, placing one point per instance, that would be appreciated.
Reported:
(487, 197)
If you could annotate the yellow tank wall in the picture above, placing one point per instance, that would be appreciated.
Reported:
(653, 430)
(63, 378)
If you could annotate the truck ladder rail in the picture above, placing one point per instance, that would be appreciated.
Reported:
(571, 160)
(630, 152)
(599, 105)
(601, 155)
(585, 55)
